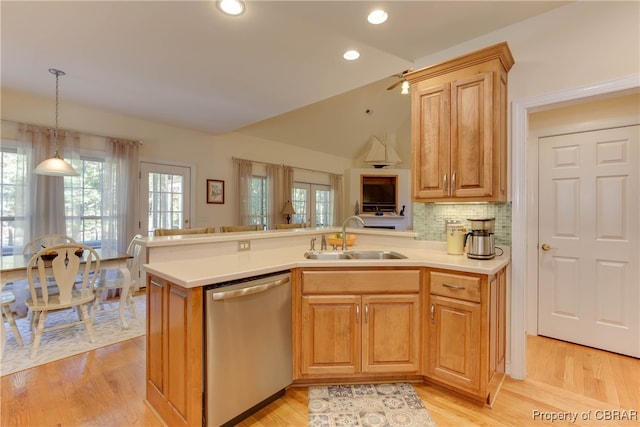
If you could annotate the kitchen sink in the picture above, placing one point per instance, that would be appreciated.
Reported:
(353, 255)
(374, 255)
(326, 255)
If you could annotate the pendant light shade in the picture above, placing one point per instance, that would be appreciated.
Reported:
(55, 166)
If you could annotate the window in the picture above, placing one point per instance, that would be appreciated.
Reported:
(84, 213)
(12, 167)
(166, 201)
(258, 203)
(84, 217)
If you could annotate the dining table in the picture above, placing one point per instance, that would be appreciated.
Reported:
(13, 268)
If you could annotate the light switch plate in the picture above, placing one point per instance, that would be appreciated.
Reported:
(244, 245)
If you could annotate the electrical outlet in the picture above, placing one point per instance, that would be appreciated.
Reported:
(244, 245)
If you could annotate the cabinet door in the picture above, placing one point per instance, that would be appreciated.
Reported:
(430, 141)
(156, 349)
(454, 342)
(472, 139)
(174, 352)
(177, 349)
(391, 333)
(501, 320)
(331, 338)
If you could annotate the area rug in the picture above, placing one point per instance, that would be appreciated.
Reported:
(367, 405)
(66, 342)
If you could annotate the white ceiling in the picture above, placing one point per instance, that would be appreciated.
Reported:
(185, 64)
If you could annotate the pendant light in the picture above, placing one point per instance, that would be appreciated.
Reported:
(55, 166)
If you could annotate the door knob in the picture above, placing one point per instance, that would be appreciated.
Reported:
(545, 247)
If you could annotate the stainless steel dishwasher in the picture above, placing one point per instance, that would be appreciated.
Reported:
(248, 346)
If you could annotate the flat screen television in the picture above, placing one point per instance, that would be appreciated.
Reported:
(379, 193)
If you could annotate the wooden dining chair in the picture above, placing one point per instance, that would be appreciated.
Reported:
(6, 299)
(21, 287)
(234, 228)
(74, 268)
(45, 241)
(181, 231)
(294, 225)
(126, 280)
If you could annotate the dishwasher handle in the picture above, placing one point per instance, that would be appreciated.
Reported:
(263, 287)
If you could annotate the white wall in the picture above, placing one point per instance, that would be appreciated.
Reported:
(572, 46)
(210, 155)
(575, 45)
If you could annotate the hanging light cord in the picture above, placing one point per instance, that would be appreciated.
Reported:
(57, 73)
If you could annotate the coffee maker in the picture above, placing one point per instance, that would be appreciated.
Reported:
(481, 239)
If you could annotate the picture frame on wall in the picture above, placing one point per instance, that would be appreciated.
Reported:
(215, 191)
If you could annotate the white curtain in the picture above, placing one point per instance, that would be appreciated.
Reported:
(288, 181)
(335, 185)
(274, 194)
(40, 200)
(279, 184)
(119, 193)
(287, 187)
(244, 172)
(43, 205)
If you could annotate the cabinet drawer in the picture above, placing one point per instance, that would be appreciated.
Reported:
(355, 282)
(455, 286)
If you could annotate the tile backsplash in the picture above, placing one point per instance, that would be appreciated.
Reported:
(429, 219)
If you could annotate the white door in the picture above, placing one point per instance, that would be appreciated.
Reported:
(165, 197)
(312, 203)
(589, 260)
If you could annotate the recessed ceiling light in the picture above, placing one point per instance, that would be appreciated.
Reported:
(378, 16)
(351, 55)
(231, 7)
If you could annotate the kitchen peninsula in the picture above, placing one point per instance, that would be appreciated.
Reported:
(445, 312)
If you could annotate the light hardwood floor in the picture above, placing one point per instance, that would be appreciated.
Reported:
(105, 387)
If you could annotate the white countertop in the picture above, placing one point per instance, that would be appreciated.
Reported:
(201, 271)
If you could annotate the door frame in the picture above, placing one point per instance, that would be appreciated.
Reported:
(524, 254)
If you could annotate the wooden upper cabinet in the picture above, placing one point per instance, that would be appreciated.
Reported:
(458, 128)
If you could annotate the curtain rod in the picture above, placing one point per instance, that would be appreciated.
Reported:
(282, 164)
(71, 130)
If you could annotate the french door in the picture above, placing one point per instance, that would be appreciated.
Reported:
(165, 197)
(312, 203)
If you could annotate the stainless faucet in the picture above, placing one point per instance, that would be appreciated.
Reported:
(344, 229)
(313, 244)
(323, 243)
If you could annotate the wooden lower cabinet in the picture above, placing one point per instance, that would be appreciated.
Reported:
(454, 338)
(465, 332)
(369, 327)
(174, 352)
